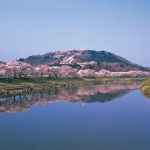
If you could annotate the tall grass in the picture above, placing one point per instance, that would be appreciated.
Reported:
(145, 87)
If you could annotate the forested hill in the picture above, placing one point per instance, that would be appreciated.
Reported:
(86, 59)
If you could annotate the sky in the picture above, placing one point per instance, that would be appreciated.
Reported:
(31, 27)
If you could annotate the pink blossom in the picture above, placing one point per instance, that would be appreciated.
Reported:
(86, 73)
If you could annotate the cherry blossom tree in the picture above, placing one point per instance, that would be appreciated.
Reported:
(20, 69)
(67, 71)
(41, 71)
(5, 71)
(16, 69)
(54, 72)
(86, 73)
(103, 73)
(46, 71)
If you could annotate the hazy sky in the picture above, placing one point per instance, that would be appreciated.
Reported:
(30, 27)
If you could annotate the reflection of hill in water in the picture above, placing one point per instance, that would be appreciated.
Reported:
(83, 94)
(104, 97)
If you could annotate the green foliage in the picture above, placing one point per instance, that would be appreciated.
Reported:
(75, 65)
(90, 66)
(146, 83)
(101, 56)
(62, 81)
(21, 59)
(145, 88)
(56, 64)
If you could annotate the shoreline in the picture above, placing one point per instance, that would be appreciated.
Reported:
(145, 87)
(27, 85)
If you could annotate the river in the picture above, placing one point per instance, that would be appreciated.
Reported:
(93, 117)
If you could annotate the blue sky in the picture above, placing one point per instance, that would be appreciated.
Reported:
(29, 27)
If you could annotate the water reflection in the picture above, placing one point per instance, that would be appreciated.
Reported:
(83, 94)
(146, 95)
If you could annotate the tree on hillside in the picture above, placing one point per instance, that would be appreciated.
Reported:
(54, 72)
(5, 71)
(67, 71)
(20, 69)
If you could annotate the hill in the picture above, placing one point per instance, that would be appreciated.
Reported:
(1, 62)
(85, 59)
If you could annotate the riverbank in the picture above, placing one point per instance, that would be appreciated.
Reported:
(25, 85)
(145, 87)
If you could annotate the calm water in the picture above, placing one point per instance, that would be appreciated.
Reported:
(105, 117)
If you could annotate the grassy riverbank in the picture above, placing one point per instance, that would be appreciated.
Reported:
(145, 87)
(61, 81)
(23, 85)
